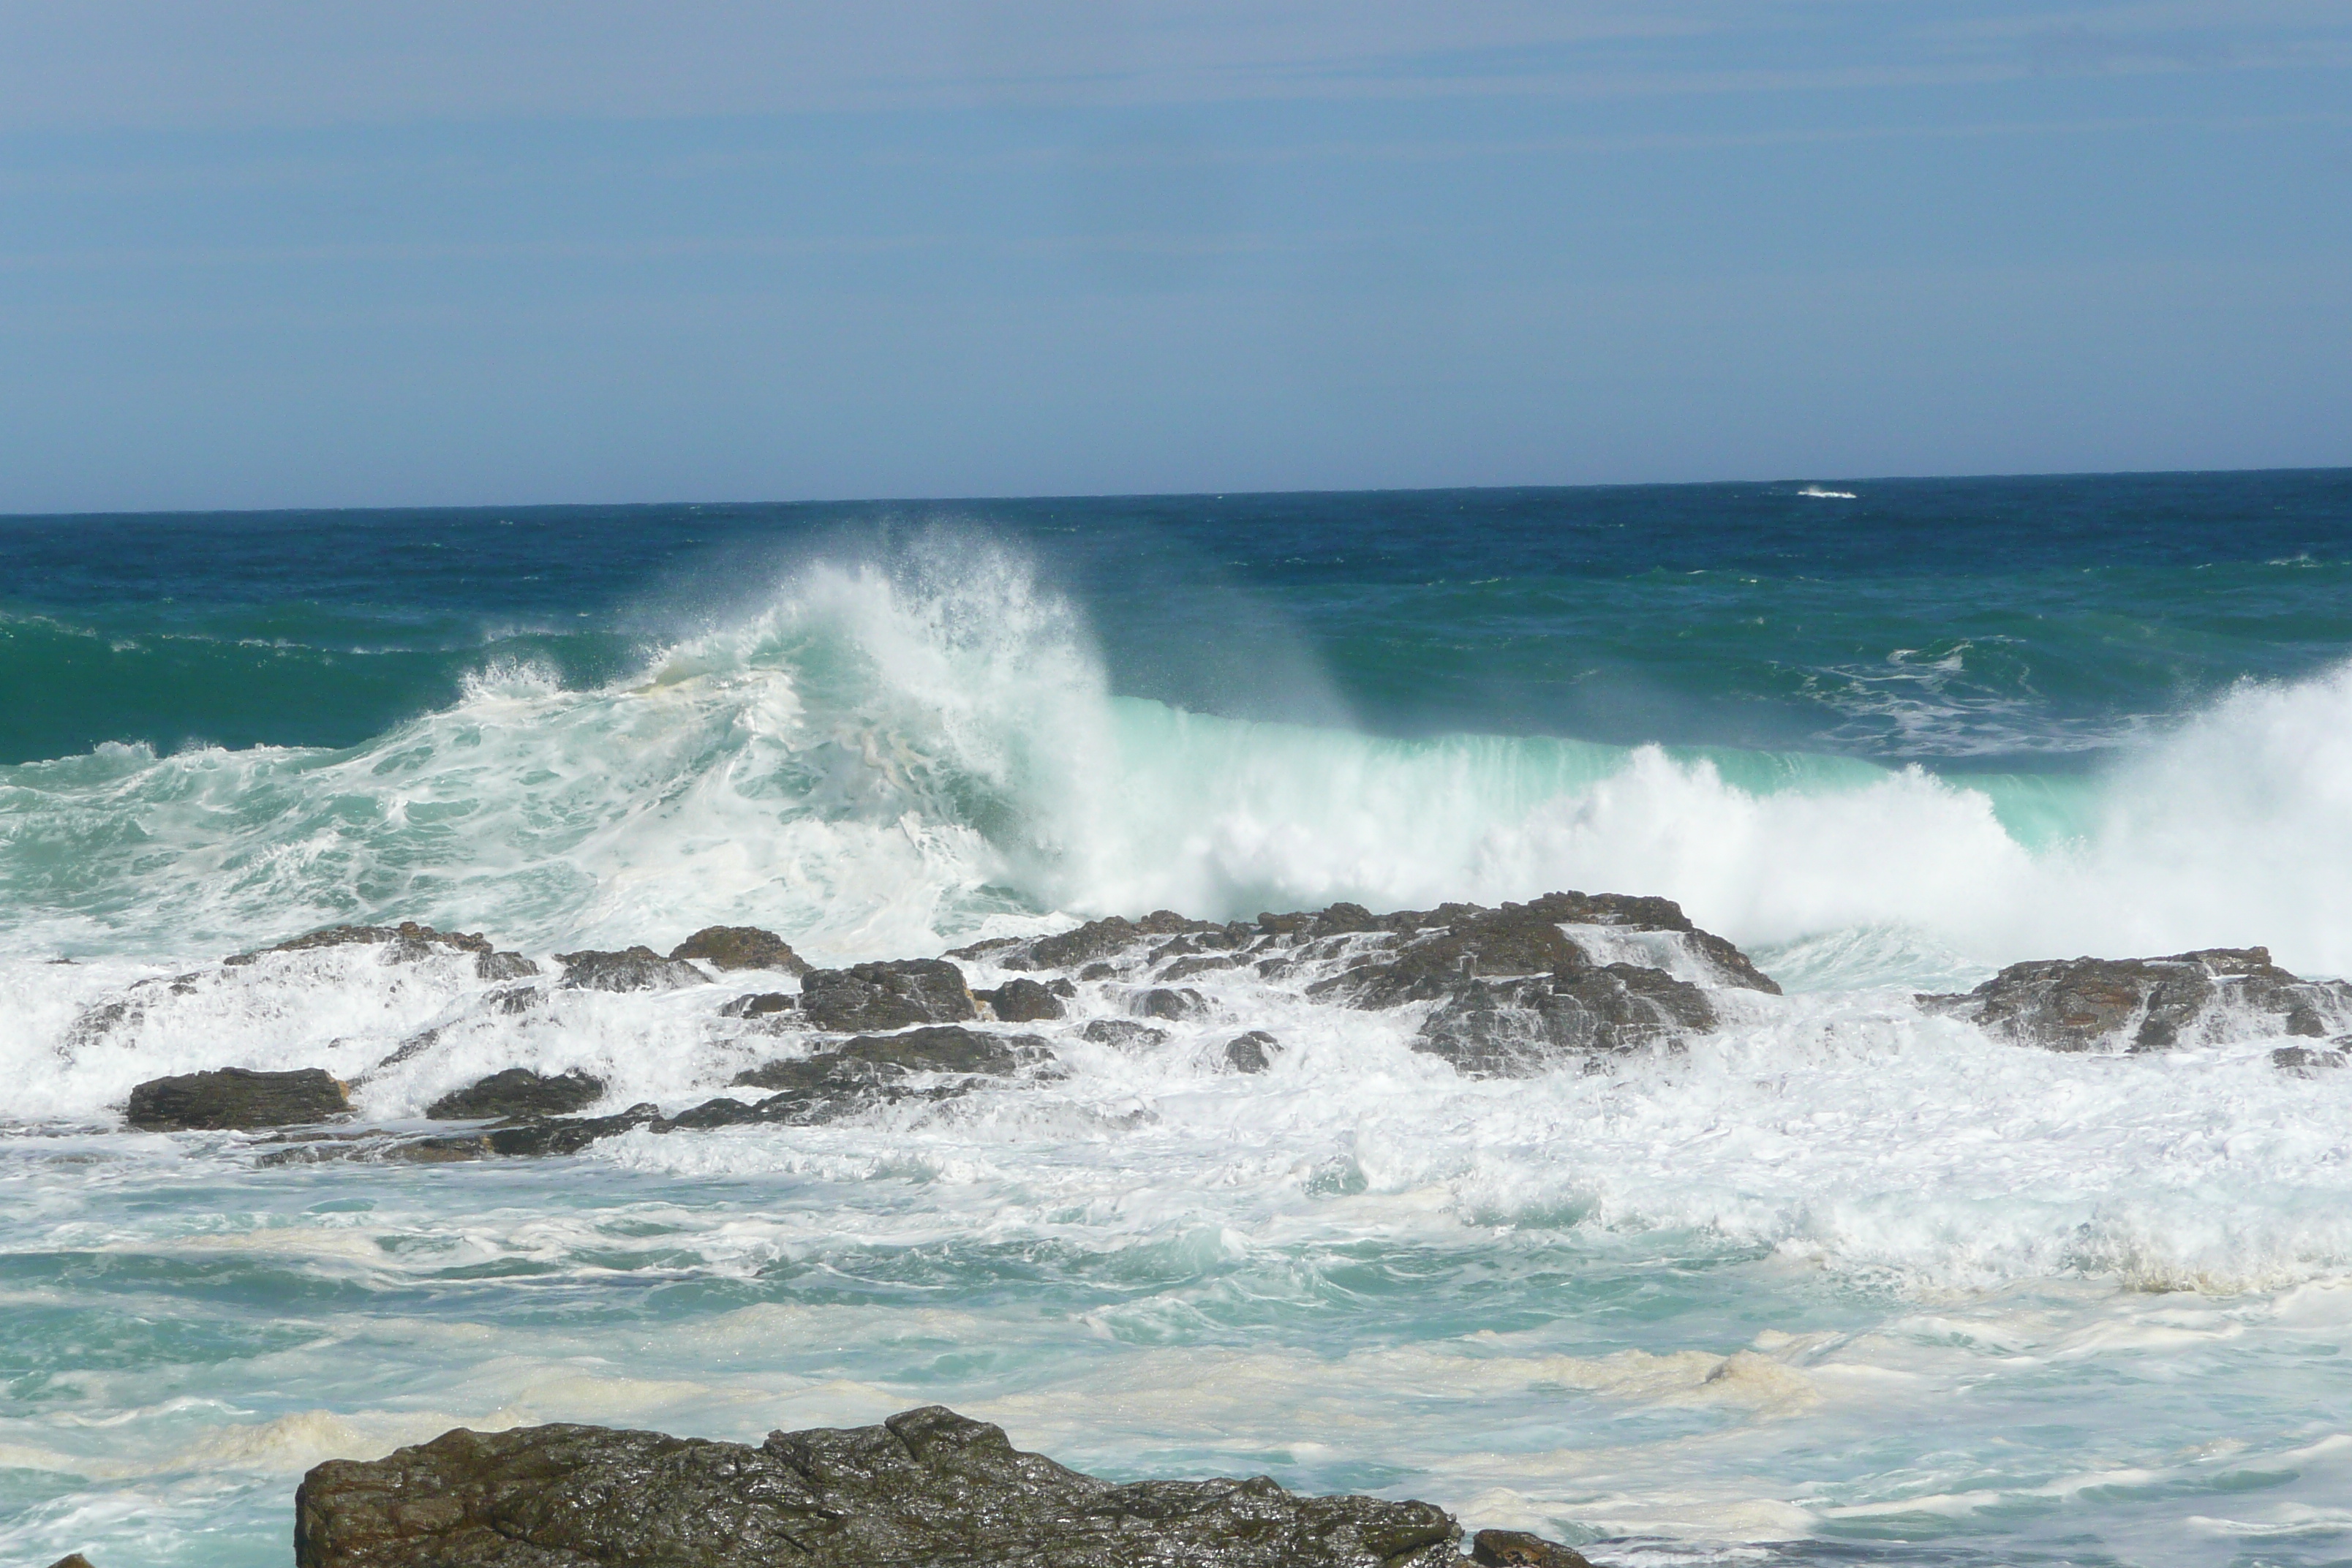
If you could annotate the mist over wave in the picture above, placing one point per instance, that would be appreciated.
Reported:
(889, 753)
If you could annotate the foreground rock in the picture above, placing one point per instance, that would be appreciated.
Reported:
(740, 947)
(519, 1092)
(2209, 996)
(927, 1487)
(236, 1099)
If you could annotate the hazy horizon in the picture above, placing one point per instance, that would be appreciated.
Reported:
(264, 256)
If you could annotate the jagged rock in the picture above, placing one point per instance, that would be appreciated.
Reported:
(1253, 1052)
(519, 1092)
(1173, 1005)
(1203, 963)
(896, 995)
(2307, 1061)
(515, 998)
(2148, 1004)
(1518, 1548)
(1097, 940)
(549, 1135)
(759, 1005)
(1124, 1032)
(638, 968)
(72, 1560)
(1022, 1002)
(925, 1487)
(1518, 1028)
(503, 966)
(740, 947)
(238, 1099)
(407, 941)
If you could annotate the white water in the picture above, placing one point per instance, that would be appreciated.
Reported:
(1839, 1271)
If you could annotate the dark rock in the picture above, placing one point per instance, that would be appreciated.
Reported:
(983, 949)
(514, 999)
(939, 1048)
(759, 1005)
(1022, 1002)
(503, 966)
(887, 996)
(72, 1560)
(1098, 972)
(1519, 1028)
(1173, 1005)
(1124, 1032)
(557, 1135)
(740, 947)
(1253, 1052)
(519, 1092)
(2148, 1004)
(638, 968)
(926, 1487)
(407, 941)
(1099, 940)
(2306, 1061)
(1062, 988)
(1516, 1549)
(237, 1097)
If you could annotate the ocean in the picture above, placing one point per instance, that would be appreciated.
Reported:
(1844, 1281)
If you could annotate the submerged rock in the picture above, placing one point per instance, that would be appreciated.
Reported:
(2307, 1061)
(925, 1487)
(2148, 1004)
(1126, 1034)
(519, 1092)
(638, 968)
(759, 1005)
(1253, 1052)
(407, 941)
(236, 1099)
(1518, 1548)
(740, 947)
(895, 995)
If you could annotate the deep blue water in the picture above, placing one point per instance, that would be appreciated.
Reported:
(1981, 622)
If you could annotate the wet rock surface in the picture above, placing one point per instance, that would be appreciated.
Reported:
(2208, 996)
(894, 995)
(236, 1099)
(1023, 1002)
(1253, 1052)
(519, 1092)
(638, 968)
(1518, 1548)
(740, 947)
(925, 1487)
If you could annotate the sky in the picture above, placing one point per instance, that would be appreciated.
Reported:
(313, 253)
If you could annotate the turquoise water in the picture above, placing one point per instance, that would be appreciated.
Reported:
(1843, 1281)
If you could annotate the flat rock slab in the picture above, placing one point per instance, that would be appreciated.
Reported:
(236, 1099)
(927, 1487)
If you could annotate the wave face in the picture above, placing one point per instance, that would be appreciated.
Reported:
(1688, 1308)
(890, 754)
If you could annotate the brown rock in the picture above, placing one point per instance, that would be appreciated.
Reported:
(740, 947)
(236, 1099)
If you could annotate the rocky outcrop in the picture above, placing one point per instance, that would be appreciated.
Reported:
(1023, 1002)
(638, 968)
(925, 1487)
(1512, 990)
(519, 1092)
(759, 1005)
(2309, 1061)
(236, 1099)
(2208, 996)
(895, 995)
(740, 947)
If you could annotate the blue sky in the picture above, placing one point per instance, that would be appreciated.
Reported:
(326, 254)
